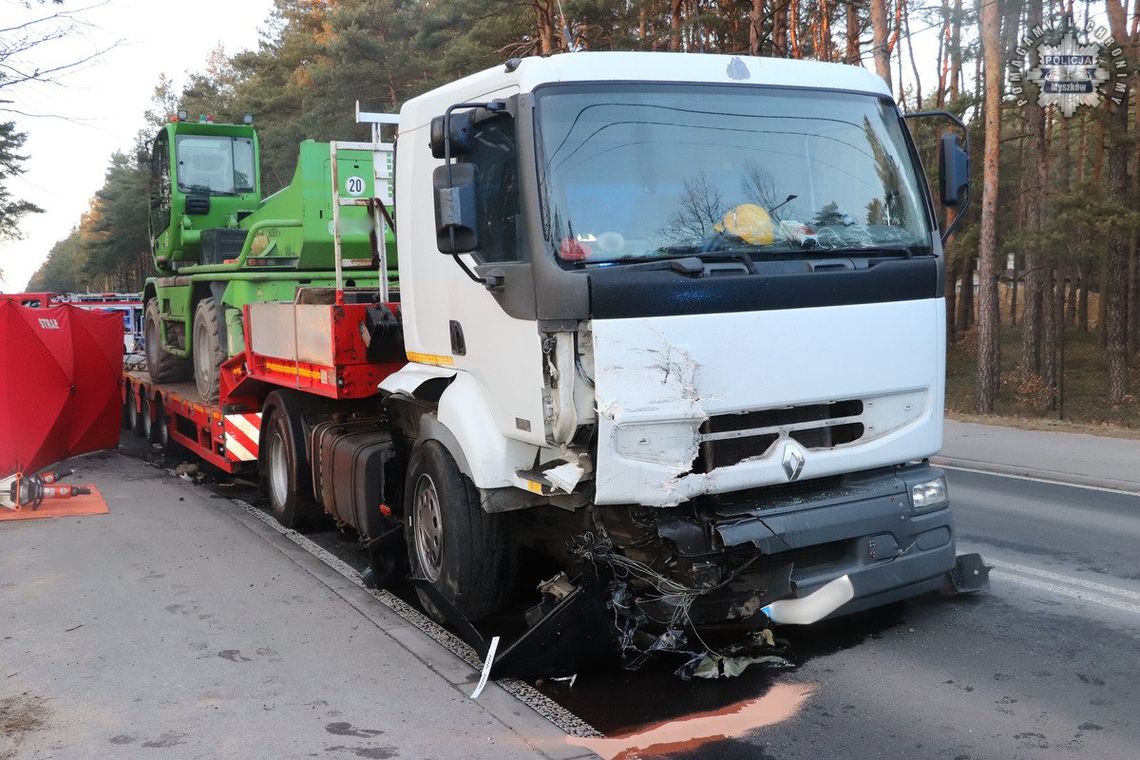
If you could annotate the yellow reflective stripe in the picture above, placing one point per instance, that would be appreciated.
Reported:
(289, 369)
(438, 360)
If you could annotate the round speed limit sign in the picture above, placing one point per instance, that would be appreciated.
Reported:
(354, 185)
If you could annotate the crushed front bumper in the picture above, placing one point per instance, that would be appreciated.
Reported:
(862, 525)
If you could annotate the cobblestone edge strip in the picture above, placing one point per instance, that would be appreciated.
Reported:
(558, 715)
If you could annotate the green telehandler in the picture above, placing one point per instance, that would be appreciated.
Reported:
(218, 246)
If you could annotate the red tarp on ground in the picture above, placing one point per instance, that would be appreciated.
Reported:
(77, 506)
(60, 375)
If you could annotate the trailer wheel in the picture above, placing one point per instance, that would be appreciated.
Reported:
(209, 347)
(285, 474)
(134, 414)
(147, 430)
(164, 367)
(462, 551)
(161, 436)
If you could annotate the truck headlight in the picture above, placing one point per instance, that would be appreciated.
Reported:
(929, 495)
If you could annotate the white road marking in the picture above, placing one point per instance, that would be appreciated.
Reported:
(1047, 481)
(1073, 593)
(1103, 588)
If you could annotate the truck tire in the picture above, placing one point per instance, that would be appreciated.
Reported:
(134, 416)
(465, 553)
(284, 466)
(164, 367)
(209, 347)
(145, 428)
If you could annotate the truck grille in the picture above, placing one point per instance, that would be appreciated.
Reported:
(729, 439)
(806, 557)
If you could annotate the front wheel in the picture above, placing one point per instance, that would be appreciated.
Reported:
(465, 553)
(209, 347)
(163, 366)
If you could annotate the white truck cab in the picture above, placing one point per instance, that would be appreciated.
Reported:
(692, 304)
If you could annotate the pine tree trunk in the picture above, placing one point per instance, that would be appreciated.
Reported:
(965, 318)
(756, 27)
(879, 48)
(675, 26)
(779, 41)
(1116, 287)
(1071, 303)
(1033, 194)
(851, 55)
(951, 301)
(1134, 298)
(988, 346)
(1085, 269)
(956, 51)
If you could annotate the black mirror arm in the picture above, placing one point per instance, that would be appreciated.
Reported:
(958, 216)
(965, 146)
(493, 106)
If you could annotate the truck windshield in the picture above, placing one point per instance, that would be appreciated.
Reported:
(218, 165)
(647, 171)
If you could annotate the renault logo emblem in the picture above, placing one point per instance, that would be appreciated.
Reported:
(793, 460)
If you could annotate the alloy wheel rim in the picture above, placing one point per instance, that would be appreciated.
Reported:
(278, 472)
(428, 528)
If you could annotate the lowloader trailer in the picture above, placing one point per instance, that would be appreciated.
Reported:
(673, 322)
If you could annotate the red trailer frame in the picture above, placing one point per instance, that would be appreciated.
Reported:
(227, 434)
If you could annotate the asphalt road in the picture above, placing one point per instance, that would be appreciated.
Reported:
(1044, 665)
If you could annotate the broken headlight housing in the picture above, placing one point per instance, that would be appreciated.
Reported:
(929, 495)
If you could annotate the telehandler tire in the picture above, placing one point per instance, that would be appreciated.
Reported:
(164, 367)
(466, 554)
(209, 347)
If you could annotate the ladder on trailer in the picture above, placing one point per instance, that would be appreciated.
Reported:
(383, 170)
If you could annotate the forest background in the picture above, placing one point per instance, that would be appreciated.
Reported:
(1042, 275)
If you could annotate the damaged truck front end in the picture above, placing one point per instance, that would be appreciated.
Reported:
(736, 278)
(724, 559)
(757, 387)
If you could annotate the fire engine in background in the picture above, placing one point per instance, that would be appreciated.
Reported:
(679, 314)
(129, 305)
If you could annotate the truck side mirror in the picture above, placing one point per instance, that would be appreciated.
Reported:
(462, 132)
(953, 169)
(456, 214)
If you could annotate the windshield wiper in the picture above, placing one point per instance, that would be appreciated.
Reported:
(205, 189)
(908, 251)
(703, 254)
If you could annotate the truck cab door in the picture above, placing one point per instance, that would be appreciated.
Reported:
(454, 321)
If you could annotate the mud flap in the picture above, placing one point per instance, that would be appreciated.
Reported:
(970, 574)
(456, 619)
(386, 558)
(577, 635)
